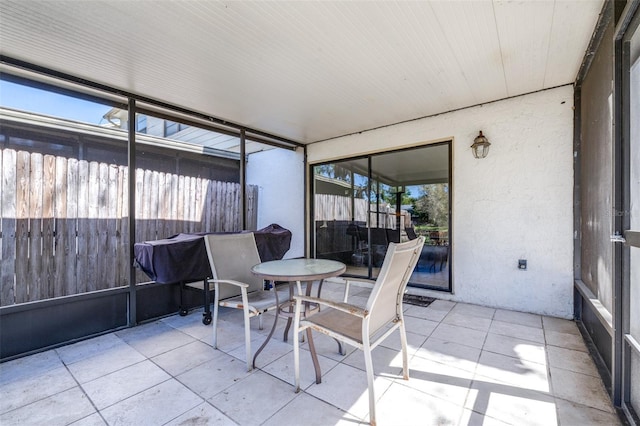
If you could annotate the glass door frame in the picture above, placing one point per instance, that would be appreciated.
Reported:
(370, 188)
(624, 344)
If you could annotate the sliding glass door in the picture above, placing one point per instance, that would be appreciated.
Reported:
(361, 205)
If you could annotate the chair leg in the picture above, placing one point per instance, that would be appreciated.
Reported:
(368, 362)
(314, 357)
(285, 334)
(296, 347)
(405, 358)
(215, 316)
(273, 328)
(247, 328)
(346, 291)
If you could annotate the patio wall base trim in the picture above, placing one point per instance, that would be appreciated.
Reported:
(596, 326)
(596, 306)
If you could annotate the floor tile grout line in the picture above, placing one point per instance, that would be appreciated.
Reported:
(43, 398)
(146, 358)
(84, 392)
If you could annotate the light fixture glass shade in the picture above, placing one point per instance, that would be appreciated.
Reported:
(480, 147)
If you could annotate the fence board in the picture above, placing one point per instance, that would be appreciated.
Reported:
(82, 226)
(110, 255)
(237, 207)
(198, 221)
(48, 226)
(22, 225)
(186, 203)
(215, 206)
(8, 198)
(163, 205)
(152, 195)
(34, 273)
(61, 241)
(234, 213)
(173, 228)
(101, 231)
(124, 258)
(231, 213)
(146, 228)
(139, 176)
(251, 194)
(73, 180)
(206, 205)
(122, 231)
(227, 194)
(92, 236)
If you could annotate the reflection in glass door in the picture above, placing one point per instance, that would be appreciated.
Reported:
(361, 205)
(340, 213)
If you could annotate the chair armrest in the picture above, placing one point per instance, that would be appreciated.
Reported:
(344, 307)
(347, 284)
(354, 279)
(232, 282)
(360, 280)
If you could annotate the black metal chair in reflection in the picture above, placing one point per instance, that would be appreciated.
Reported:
(411, 233)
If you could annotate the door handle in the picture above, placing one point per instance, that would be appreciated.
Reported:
(617, 238)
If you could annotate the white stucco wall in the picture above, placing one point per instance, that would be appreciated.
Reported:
(279, 175)
(514, 204)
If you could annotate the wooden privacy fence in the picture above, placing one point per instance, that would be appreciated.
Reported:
(339, 207)
(330, 207)
(64, 223)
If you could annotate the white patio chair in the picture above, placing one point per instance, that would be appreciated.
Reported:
(366, 327)
(231, 257)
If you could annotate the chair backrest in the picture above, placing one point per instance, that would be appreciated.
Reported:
(385, 302)
(231, 257)
(411, 233)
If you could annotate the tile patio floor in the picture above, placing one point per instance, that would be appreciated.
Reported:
(469, 365)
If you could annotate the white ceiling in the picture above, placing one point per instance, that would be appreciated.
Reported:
(308, 70)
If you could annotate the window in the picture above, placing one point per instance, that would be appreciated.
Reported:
(55, 232)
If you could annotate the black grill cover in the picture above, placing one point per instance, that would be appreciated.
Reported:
(183, 257)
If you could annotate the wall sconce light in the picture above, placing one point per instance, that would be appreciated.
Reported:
(480, 147)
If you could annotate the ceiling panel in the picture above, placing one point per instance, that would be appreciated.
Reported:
(308, 70)
(569, 34)
(472, 36)
(524, 30)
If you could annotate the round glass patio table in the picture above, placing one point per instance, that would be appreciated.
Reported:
(299, 269)
(295, 271)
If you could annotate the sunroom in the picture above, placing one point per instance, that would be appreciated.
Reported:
(349, 125)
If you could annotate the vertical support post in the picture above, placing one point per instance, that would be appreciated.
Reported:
(619, 197)
(368, 224)
(131, 154)
(307, 200)
(353, 195)
(243, 181)
(577, 203)
(399, 211)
